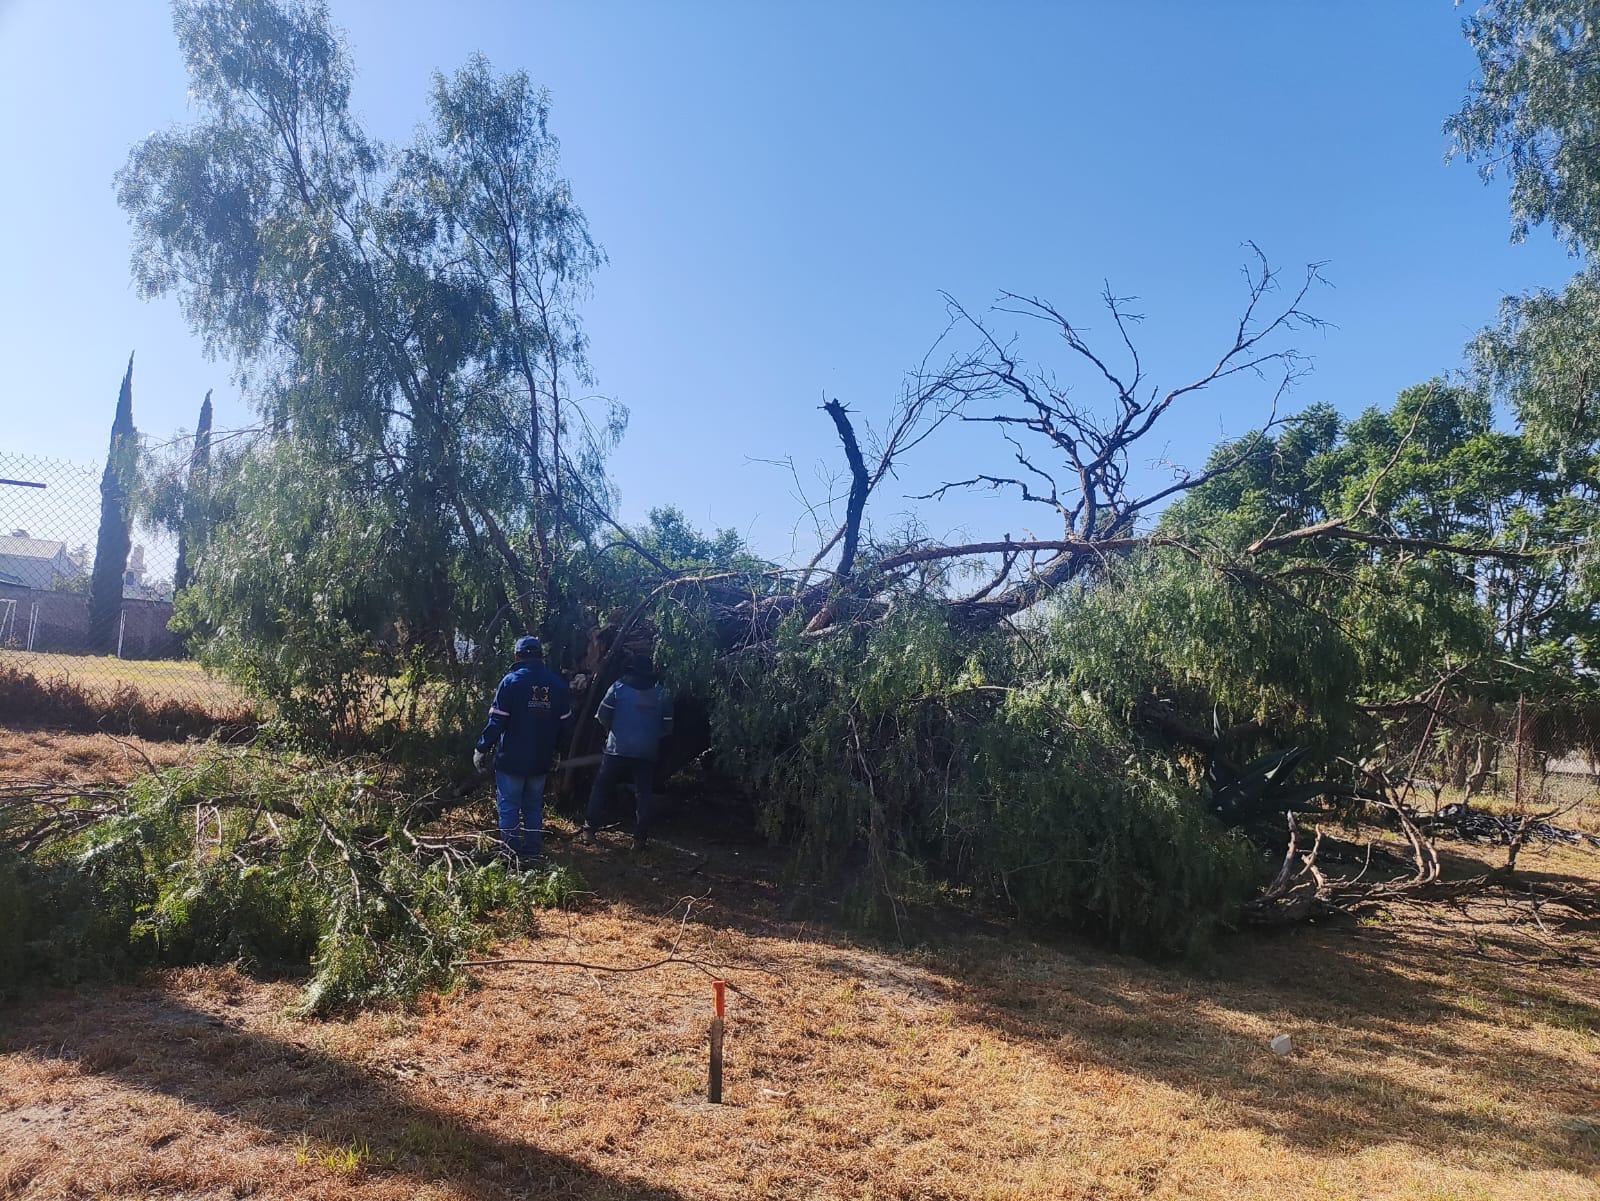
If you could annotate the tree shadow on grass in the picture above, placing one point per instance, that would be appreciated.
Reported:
(149, 1040)
(1396, 1042)
(1407, 1035)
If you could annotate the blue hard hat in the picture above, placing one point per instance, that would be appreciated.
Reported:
(529, 647)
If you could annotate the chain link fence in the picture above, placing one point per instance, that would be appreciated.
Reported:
(50, 513)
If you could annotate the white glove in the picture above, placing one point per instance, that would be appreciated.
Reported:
(483, 760)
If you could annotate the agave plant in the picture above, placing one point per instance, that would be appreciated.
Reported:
(1264, 786)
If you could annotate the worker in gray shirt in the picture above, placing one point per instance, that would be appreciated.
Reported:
(637, 715)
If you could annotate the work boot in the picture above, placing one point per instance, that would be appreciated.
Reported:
(586, 836)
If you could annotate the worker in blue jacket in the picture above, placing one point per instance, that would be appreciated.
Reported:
(637, 715)
(531, 708)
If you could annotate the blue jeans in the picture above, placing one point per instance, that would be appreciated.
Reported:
(520, 800)
(613, 770)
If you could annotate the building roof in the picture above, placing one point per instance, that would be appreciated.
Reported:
(30, 548)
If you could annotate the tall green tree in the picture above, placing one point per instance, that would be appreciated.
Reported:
(192, 515)
(1439, 543)
(489, 166)
(1531, 115)
(113, 542)
(1533, 112)
(404, 320)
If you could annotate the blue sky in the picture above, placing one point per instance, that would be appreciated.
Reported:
(784, 189)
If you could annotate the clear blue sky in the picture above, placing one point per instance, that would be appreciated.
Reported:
(783, 189)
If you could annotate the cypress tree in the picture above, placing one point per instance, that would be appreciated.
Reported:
(196, 495)
(112, 545)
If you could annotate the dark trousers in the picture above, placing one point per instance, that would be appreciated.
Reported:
(615, 769)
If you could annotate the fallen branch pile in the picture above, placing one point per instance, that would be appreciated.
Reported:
(1502, 829)
(241, 855)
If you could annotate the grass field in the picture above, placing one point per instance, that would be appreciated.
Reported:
(1439, 1054)
(42, 755)
(156, 679)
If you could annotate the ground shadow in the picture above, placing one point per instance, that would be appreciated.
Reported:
(150, 1040)
(1413, 1062)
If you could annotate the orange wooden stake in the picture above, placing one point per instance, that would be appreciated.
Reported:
(719, 992)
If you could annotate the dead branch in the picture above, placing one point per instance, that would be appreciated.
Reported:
(860, 486)
(1339, 528)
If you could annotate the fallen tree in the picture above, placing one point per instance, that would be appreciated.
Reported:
(1077, 462)
(1052, 737)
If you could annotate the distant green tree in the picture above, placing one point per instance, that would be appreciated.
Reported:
(192, 518)
(1459, 635)
(114, 541)
(669, 538)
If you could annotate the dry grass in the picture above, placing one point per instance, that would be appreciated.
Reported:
(51, 756)
(157, 680)
(1430, 1063)
(30, 696)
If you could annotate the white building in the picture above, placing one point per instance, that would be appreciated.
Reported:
(35, 562)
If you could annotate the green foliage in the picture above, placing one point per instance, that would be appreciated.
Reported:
(901, 753)
(272, 864)
(1477, 631)
(1543, 358)
(1532, 111)
(669, 540)
(405, 322)
(1205, 637)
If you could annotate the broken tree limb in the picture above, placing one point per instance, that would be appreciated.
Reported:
(1339, 528)
(860, 485)
(1080, 546)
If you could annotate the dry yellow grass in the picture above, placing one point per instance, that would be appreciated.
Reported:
(156, 679)
(1430, 1063)
(56, 757)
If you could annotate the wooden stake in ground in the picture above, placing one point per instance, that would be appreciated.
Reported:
(719, 991)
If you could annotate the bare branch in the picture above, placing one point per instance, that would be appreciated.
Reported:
(1338, 527)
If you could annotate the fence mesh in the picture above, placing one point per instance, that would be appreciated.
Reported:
(50, 514)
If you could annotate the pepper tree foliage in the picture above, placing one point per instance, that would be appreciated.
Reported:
(404, 321)
(906, 756)
(300, 865)
(1531, 112)
(1531, 115)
